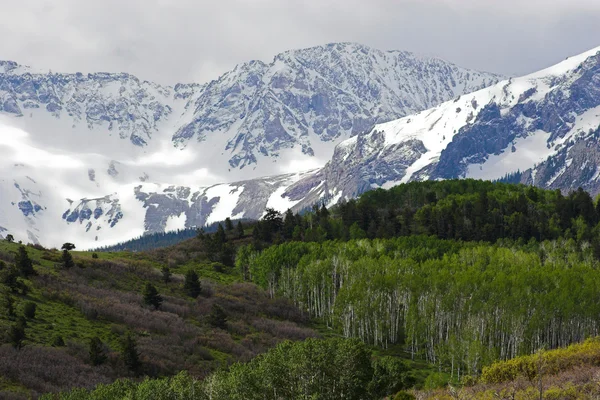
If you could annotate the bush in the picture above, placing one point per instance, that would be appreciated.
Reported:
(436, 380)
(57, 341)
(404, 396)
(29, 310)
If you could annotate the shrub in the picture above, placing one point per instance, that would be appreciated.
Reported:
(192, 284)
(404, 396)
(57, 341)
(96, 351)
(29, 310)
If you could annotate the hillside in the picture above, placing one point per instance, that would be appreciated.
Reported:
(566, 373)
(103, 298)
(413, 288)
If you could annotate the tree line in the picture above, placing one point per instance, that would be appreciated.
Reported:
(455, 209)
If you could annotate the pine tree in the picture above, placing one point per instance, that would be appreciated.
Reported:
(68, 246)
(16, 334)
(57, 341)
(10, 278)
(289, 224)
(29, 310)
(217, 317)
(228, 224)
(96, 351)
(151, 296)
(24, 263)
(130, 354)
(9, 305)
(240, 230)
(191, 284)
(166, 274)
(67, 259)
(220, 237)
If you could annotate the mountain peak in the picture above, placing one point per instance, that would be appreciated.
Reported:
(532, 129)
(136, 157)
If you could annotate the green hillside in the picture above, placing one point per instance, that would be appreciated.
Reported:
(411, 289)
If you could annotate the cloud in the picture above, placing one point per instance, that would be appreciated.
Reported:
(173, 41)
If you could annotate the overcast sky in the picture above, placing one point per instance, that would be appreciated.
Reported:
(173, 41)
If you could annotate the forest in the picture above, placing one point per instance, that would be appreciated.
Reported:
(426, 286)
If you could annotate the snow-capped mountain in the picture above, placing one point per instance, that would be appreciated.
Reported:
(99, 158)
(541, 129)
(321, 94)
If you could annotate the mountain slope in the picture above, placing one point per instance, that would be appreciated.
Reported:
(545, 126)
(319, 94)
(101, 158)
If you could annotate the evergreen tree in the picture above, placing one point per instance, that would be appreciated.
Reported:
(10, 238)
(166, 274)
(57, 341)
(130, 354)
(9, 305)
(240, 230)
(151, 296)
(29, 310)
(24, 263)
(228, 224)
(67, 259)
(191, 285)
(10, 278)
(16, 334)
(96, 351)
(68, 246)
(220, 237)
(289, 223)
(217, 317)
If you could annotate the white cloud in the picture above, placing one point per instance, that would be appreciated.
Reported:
(187, 40)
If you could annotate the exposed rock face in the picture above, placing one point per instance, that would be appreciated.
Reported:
(331, 92)
(302, 98)
(541, 129)
(113, 156)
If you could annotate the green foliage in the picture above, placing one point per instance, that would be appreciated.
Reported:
(9, 305)
(166, 274)
(431, 293)
(29, 310)
(228, 224)
(455, 209)
(553, 361)
(10, 278)
(151, 296)
(57, 341)
(24, 263)
(240, 230)
(217, 317)
(191, 284)
(329, 369)
(404, 396)
(95, 255)
(436, 380)
(389, 376)
(96, 351)
(130, 354)
(16, 334)
(10, 238)
(67, 259)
